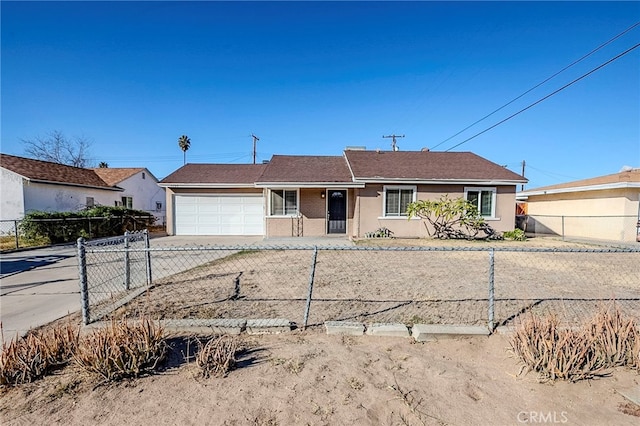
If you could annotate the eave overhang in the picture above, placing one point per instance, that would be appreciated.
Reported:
(602, 187)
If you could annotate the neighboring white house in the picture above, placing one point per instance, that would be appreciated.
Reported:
(29, 185)
(140, 189)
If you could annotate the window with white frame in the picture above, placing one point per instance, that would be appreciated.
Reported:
(396, 200)
(127, 202)
(484, 199)
(284, 202)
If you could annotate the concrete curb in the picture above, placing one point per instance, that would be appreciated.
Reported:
(268, 326)
(419, 332)
(435, 332)
(388, 329)
(344, 328)
(231, 326)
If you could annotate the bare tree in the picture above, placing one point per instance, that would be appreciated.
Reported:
(57, 148)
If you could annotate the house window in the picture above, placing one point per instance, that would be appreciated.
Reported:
(284, 202)
(158, 206)
(144, 176)
(127, 202)
(484, 199)
(90, 202)
(397, 199)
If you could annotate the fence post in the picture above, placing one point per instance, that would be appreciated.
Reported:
(84, 287)
(562, 228)
(147, 245)
(310, 292)
(127, 264)
(15, 228)
(491, 289)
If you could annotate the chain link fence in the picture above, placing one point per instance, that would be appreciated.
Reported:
(9, 234)
(13, 237)
(624, 229)
(311, 285)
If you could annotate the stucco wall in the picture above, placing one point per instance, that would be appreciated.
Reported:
(62, 198)
(145, 193)
(369, 213)
(11, 195)
(313, 220)
(607, 215)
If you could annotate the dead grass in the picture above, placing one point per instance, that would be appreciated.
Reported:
(606, 341)
(218, 356)
(24, 360)
(122, 349)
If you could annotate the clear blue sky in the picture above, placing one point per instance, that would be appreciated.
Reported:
(313, 78)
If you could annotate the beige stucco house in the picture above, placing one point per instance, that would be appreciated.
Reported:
(351, 195)
(602, 208)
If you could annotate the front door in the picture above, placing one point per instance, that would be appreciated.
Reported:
(337, 214)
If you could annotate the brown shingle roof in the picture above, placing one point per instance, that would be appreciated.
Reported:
(215, 174)
(426, 165)
(306, 169)
(44, 171)
(116, 175)
(622, 177)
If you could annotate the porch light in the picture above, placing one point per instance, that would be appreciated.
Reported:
(322, 195)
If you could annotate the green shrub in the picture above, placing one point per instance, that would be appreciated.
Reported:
(515, 235)
(380, 233)
(99, 221)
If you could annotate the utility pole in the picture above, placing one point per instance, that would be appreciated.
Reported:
(394, 147)
(255, 139)
(523, 165)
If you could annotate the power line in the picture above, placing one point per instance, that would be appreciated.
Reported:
(548, 96)
(541, 83)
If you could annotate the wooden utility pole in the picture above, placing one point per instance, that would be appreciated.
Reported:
(255, 139)
(523, 165)
(393, 137)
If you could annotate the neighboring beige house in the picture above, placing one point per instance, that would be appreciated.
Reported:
(358, 192)
(603, 208)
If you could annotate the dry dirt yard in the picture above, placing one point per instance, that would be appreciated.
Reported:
(310, 378)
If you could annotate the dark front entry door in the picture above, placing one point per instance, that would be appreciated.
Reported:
(337, 215)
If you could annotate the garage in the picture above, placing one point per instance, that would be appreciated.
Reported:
(219, 215)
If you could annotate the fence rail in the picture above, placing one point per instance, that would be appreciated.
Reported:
(311, 285)
(13, 237)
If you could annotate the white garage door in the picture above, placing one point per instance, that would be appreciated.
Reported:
(219, 215)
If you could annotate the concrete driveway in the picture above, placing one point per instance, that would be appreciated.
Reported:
(37, 287)
(41, 285)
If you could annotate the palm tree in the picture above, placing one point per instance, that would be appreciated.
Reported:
(184, 143)
(103, 165)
